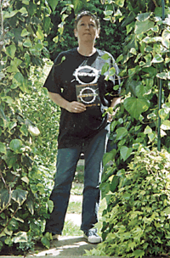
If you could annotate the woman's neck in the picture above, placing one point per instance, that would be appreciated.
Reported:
(86, 50)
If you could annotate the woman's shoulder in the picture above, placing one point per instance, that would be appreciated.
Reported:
(65, 54)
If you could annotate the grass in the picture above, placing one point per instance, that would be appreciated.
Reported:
(71, 230)
(74, 207)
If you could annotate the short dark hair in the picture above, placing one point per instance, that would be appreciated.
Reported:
(86, 13)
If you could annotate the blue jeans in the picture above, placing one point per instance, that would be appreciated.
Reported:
(66, 166)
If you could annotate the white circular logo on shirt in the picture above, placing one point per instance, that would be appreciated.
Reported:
(89, 72)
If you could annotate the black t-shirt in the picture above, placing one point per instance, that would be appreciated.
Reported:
(78, 78)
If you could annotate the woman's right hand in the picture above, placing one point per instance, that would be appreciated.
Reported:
(75, 107)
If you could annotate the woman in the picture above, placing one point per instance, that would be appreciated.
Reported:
(75, 84)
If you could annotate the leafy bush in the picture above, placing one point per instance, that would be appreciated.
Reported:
(39, 109)
(136, 222)
(24, 184)
(61, 36)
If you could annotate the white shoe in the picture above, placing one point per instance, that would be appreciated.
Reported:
(92, 237)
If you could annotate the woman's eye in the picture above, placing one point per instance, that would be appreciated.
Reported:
(91, 24)
(82, 24)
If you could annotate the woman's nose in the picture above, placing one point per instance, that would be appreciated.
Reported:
(87, 26)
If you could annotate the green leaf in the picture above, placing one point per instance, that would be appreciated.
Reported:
(108, 12)
(113, 125)
(50, 205)
(105, 68)
(109, 156)
(21, 237)
(47, 22)
(147, 130)
(19, 196)
(45, 241)
(138, 253)
(2, 147)
(126, 196)
(164, 113)
(166, 38)
(32, 9)
(53, 4)
(2, 114)
(120, 58)
(142, 91)
(16, 145)
(36, 49)
(25, 179)
(136, 106)
(39, 33)
(162, 75)
(165, 125)
(30, 205)
(157, 59)
(78, 5)
(19, 78)
(4, 197)
(2, 75)
(27, 43)
(152, 39)
(34, 131)
(143, 16)
(11, 51)
(142, 27)
(112, 71)
(114, 183)
(23, 10)
(10, 14)
(121, 132)
(120, 2)
(24, 33)
(27, 59)
(24, 130)
(166, 211)
(25, 2)
(105, 56)
(125, 152)
(10, 158)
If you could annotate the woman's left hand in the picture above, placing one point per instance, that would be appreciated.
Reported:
(110, 117)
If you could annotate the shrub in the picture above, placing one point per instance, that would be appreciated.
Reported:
(136, 223)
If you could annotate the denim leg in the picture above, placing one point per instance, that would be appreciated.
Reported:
(92, 177)
(66, 167)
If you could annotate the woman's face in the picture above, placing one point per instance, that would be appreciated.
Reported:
(86, 30)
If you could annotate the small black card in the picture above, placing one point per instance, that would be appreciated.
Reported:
(88, 94)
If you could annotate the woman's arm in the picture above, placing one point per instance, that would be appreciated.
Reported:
(73, 107)
(115, 101)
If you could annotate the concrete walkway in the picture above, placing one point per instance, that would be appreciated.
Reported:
(66, 247)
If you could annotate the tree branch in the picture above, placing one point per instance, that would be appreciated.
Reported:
(9, 191)
(1, 27)
(155, 3)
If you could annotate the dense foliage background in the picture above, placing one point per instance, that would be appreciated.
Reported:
(137, 34)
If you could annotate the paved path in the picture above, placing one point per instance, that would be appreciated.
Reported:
(66, 247)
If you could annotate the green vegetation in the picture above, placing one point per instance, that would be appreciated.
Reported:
(137, 33)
